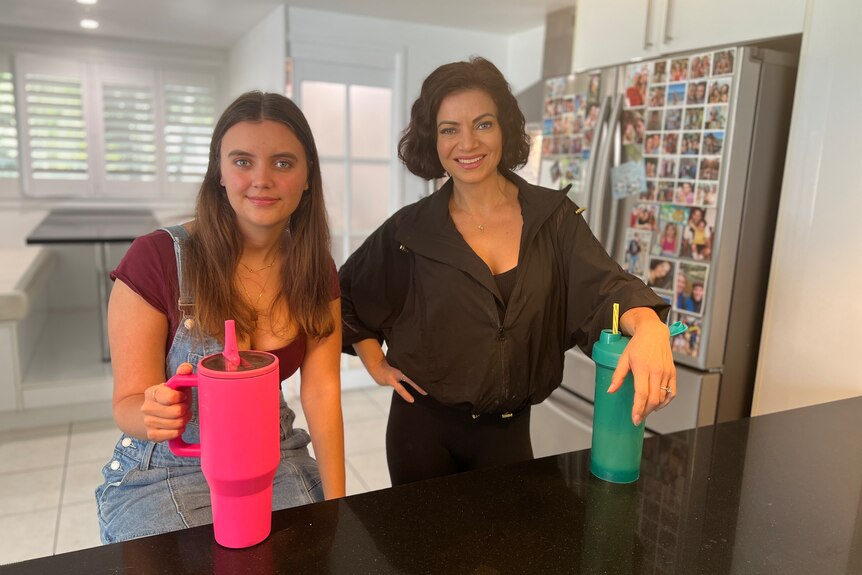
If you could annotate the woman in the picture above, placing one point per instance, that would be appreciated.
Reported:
(480, 288)
(257, 252)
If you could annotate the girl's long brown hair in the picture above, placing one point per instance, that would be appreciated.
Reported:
(213, 250)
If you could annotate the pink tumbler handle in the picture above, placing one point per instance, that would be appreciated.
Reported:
(178, 446)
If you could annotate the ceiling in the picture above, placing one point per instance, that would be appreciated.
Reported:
(222, 22)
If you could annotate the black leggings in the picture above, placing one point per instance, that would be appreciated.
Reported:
(426, 439)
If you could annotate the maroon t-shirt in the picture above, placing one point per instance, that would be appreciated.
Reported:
(150, 269)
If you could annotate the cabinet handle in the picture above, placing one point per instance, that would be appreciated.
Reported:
(667, 21)
(647, 26)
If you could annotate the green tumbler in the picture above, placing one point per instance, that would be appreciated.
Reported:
(615, 455)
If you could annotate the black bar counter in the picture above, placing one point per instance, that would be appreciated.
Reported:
(779, 493)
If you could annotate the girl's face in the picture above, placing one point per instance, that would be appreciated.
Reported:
(469, 136)
(264, 172)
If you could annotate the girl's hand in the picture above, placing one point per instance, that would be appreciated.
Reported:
(166, 411)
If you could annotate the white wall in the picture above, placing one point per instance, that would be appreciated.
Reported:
(810, 346)
(425, 48)
(256, 61)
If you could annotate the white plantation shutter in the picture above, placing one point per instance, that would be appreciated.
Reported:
(53, 131)
(190, 114)
(9, 170)
(129, 132)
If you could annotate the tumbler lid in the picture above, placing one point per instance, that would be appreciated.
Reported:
(248, 360)
(608, 349)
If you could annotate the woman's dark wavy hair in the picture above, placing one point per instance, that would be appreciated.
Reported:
(213, 250)
(418, 145)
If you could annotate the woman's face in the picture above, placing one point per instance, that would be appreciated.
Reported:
(265, 171)
(469, 136)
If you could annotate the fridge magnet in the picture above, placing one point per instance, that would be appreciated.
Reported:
(549, 109)
(591, 116)
(659, 72)
(568, 124)
(632, 127)
(685, 194)
(688, 342)
(716, 118)
(709, 168)
(577, 146)
(578, 124)
(690, 288)
(709, 193)
(690, 144)
(644, 217)
(665, 191)
(696, 93)
(628, 179)
(565, 146)
(667, 242)
(654, 120)
(558, 125)
(650, 194)
(569, 105)
(713, 142)
(549, 173)
(546, 146)
(587, 138)
(579, 104)
(651, 167)
(670, 142)
(719, 91)
(555, 146)
(667, 167)
(688, 169)
(632, 153)
(673, 119)
(661, 274)
(722, 62)
(676, 214)
(656, 97)
(693, 118)
(679, 69)
(675, 94)
(699, 67)
(637, 78)
(554, 87)
(697, 234)
(637, 244)
(548, 126)
(652, 144)
(594, 87)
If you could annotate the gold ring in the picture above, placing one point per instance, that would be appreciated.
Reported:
(154, 394)
(665, 389)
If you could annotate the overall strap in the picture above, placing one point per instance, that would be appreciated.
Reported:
(186, 302)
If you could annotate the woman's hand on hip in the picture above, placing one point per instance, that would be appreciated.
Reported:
(166, 411)
(650, 359)
(385, 374)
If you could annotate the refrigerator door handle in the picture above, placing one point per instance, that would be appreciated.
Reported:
(648, 25)
(668, 20)
(599, 190)
(594, 157)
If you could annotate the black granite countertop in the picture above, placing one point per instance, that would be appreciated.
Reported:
(780, 493)
(88, 226)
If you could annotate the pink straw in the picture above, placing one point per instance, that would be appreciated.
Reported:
(231, 351)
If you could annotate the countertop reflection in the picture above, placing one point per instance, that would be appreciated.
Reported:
(780, 493)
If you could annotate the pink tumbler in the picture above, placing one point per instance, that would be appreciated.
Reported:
(238, 409)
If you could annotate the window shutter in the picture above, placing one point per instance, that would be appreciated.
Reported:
(8, 128)
(129, 132)
(189, 117)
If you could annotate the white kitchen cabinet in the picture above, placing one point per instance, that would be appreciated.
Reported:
(610, 32)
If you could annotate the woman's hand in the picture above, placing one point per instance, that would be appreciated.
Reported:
(166, 411)
(371, 354)
(650, 359)
(385, 374)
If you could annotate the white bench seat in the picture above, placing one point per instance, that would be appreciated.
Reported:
(21, 269)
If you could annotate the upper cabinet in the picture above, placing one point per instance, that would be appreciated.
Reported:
(609, 32)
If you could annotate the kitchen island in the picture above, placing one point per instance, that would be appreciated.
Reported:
(779, 493)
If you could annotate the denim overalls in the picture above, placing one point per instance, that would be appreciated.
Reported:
(149, 490)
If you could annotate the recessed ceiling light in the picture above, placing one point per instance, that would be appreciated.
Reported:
(88, 2)
(89, 24)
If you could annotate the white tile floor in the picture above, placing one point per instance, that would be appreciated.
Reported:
(48, 475)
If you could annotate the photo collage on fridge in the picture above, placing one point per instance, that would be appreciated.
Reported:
(673, 124)
(569, 121)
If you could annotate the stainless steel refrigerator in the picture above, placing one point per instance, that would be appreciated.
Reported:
(681, 183)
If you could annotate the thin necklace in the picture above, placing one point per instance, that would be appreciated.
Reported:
(266, 267)
(262, 289)
(481, 226)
